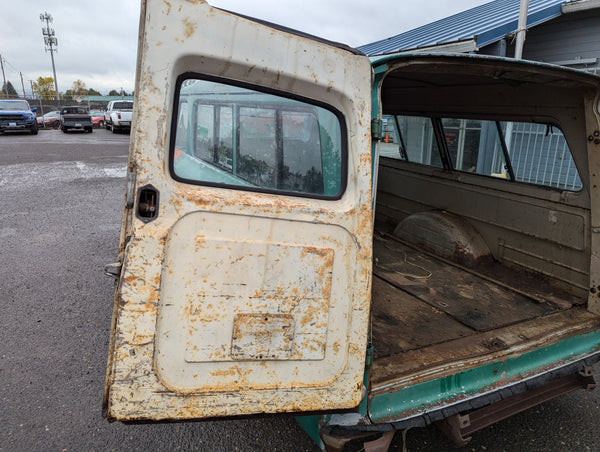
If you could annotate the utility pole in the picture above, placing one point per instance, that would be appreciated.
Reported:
(4, 77)
(51, 44)
(23, 86)
(521, 28)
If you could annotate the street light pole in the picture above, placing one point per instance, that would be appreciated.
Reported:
(51, 44)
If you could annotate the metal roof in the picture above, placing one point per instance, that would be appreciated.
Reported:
(484, 24)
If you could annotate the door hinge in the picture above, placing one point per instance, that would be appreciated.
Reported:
(113, 270)
(376, 129)
(130, 189)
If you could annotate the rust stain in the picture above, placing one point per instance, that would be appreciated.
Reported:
(129, 279)
(136, 387)
(189, 28)
(233, 371)
(336, 347)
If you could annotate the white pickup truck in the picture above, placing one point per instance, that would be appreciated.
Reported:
(117, 116)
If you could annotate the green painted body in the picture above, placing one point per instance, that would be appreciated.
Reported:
(420, 398)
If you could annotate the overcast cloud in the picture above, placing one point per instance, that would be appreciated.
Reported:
(97, 40)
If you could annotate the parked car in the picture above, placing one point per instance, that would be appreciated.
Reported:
(17, 115)
(75, 117)
(97, 118)
(50, 119)
(118, 115)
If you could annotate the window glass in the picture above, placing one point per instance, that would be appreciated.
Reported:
(204, 126)
(225, 134)
(182, 128)
(258, 146)
(301, 152)
(389, 146)
(475, 146)
(540, 155)
(240, 137)
(523, 152)
(416, 141)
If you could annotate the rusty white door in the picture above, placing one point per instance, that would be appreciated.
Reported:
(246, 242)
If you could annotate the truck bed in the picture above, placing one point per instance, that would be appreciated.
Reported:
(429, 312)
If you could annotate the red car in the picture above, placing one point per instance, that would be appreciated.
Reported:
(97, 119)
(49, 120)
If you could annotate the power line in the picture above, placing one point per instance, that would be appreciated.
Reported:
(17, 73)
(10, 65)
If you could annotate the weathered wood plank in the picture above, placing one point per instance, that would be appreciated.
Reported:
(402, 322)
(477, 349)
(472, 300)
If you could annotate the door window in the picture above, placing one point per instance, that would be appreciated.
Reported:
(242, 138)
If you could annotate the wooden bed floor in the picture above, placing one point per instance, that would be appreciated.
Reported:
(431, 317)
(420, 300)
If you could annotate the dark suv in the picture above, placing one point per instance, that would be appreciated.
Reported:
(17, 115)
(75, 118)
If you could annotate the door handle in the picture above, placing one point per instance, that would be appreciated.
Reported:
(148, 200)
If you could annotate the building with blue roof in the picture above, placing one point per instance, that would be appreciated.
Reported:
(558, 31)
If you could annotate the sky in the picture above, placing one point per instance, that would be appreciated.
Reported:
(97, 39)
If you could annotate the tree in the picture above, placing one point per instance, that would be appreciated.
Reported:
(67, 96)
(43, 87)
(78, 88)
(93, 92)
(8, 87)
(114, 92)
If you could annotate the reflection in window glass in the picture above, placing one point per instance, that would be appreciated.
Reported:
(258, 159)
(225, 140)
(301, 152)
(236, 136)
(182, 127)
(205, 116)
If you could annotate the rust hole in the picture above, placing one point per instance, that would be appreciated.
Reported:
(494, 344)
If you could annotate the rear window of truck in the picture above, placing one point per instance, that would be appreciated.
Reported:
(524, 152)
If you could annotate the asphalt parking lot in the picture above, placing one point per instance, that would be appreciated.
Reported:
(61, 197)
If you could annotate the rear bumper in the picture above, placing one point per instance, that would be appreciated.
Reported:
(122, 124)
(462, 418)
(77, 124)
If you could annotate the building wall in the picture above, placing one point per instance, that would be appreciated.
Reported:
(573, 36)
